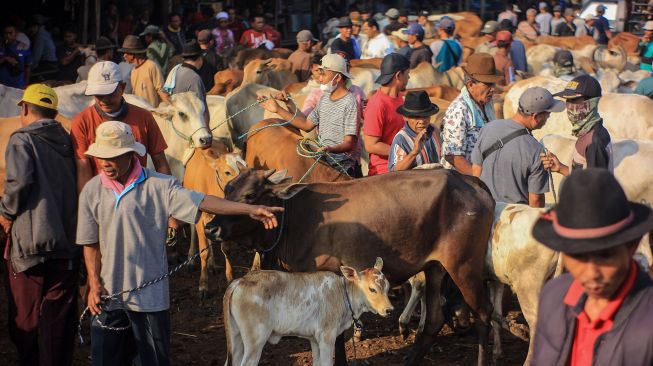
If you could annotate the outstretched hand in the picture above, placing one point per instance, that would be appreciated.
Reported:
(265, 215)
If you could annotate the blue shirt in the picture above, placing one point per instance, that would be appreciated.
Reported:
(43, 47)
(403, 144)
(518, 55)
(14, 76)
(602, 25)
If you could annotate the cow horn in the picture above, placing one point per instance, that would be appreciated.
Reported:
(268, 173)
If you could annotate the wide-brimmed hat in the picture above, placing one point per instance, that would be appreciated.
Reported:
(417, 104)
(150, 30)
(481, 67)
(191, 49)
(132, 44)
(114, 138)
(335, 62)
(593, 214)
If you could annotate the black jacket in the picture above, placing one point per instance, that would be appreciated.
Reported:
(40, 194)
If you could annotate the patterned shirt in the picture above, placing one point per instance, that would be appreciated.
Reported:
(404, 142)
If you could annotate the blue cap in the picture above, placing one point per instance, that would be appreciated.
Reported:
(645, 87)
(414, 29)
(601, 7)
(446, 23)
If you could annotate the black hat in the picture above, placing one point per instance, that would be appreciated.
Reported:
(581, 86)
(417, 104)
(345, 22)
(563, 58)
(593, 214)
(390, 65)
(423, 13)
(191, 49)
(103, 43)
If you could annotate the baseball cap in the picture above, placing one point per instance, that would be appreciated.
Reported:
(114, 138)
(581, 86)
(103, 78)
(414, 29)
(40, 95)
(400, 34)
(392, 13)
(336, 63)
(601, 7)
(222, 16)
(423, 13)
(490, 26)
(537, 100)
(648, 26)
(446, 23)
(590, 17)
(150, 29)
(390, 65)
(305, 36)
(504, 35)
(204, 36)
(568, 12)
(563, 58)
(543, 5)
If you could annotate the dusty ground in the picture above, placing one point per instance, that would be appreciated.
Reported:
(198, 334)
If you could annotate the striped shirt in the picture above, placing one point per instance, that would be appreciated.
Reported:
(336, 119)
(403, 144)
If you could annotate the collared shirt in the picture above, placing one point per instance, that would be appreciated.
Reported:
(377, 47)
(146, 81)
(403, 144)
(588, 331)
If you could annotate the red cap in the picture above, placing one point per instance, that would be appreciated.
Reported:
(504, 36)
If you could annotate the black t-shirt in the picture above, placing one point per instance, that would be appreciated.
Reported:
(565, 29)
(69, 72)
(347, 48)
(206, 72)
(420, 54)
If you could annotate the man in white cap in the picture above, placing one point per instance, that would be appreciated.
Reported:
(106, 85)
(645, 49)
(543, 19)
(122, 221)
(336, 116)
(301, 58)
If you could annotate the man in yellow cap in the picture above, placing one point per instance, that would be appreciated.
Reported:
(38, 214)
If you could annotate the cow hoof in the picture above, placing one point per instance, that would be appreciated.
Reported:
(358, 334)
(403, 331)
(203, 295)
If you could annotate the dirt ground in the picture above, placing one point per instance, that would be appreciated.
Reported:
(198, 334)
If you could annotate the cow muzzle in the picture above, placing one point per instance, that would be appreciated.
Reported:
(387, 312)
(205, 141)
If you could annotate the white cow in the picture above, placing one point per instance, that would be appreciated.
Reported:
(71, 100)
(264, 306)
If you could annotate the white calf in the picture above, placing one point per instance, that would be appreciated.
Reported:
(264, 306)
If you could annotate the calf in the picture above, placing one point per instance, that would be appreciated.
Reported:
(267, 305)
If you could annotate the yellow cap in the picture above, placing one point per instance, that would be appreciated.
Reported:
(41, 95)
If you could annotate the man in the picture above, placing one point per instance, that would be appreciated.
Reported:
(38, 214)
(336, 116)
(364, 13)
(489, 32)
(15, 60)
(210, 58)
(557, 19)
(146, 77)
(588, 27)
(393, 21)
(104, 49)
(301, 58)
(502, 58)
(401, 43)
(429, 30)
(122, 225)
(567, 28)
(356, 34)
(543, 19)
(528, 28)
(593, 148)
(106, 85)
(507, 157)
(186, 76)
(223, 37)
(447, 52)
(382, 122)
(419, 51)
(602, 26)
(645, 48)
(403, 18)
(44, 55)
(469, 112)
(378, 45)
(255, 37)
(563, 66)
(517, 48)
(158, 50)
(70, 57)
(599, 312)
(344, 42)
(510, 13)
(175, 33)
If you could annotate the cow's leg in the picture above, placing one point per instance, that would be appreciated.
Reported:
(315, 350)
(416, 294)
(225, 248)
(434, 316)
(192, 247)
(341, 352)
(528, 296)
(326, 344)
(422, 317)
(204, 276)
(496, 294)
(254, 344)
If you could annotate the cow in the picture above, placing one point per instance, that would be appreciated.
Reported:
(371, 63)
(365, 78)
(208, 171)
(264, 306)
(72, 100)
(419, 218)
(425, 76)
(628, 41)
(468, 24)
(275, 74)
(242, 105)
(225, 81)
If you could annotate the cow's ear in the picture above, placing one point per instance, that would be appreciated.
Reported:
(164, 111)
(290, 191)
(276, 177)
(379, 264)
(241, 166)
(349, 273)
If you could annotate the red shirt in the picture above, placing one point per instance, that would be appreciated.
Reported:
(382, 120)
(252, 38)
(588, 331)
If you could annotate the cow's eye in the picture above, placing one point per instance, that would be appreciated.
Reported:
(372, 290)
(182, 115)
(228, 174)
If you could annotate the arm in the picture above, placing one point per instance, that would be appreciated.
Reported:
(407, 161)
(477, 170)
(161, 163)
(460, 163)
(551, 162)
(219, 206)
(84, 172)
(19, 178)
(536, 199)
(65, 60)
(374, 145)
(347, 145)
(92, 260)
(300, 121)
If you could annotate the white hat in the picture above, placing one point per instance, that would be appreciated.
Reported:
(103, 78)
(222, 15)
(400, 34)
(648, 26)
(114, 138)
(336, 63)
(543, 5)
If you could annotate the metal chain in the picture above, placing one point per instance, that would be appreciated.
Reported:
(114, 296)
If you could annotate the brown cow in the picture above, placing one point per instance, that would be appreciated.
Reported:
(275, 73)
(208, 171)
(370, 63)
(627, 40)
(326, 225)
(225, 81)
(570, 43)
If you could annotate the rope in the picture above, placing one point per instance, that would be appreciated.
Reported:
(306, 147)
(553, 188)
(285, 123)
(357, 322)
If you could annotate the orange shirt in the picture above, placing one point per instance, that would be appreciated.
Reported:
(588, 331)
(143, 125)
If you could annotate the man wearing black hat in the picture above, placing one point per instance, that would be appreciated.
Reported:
(104, 49)
(146, 76)
(599, 313)
(593, 148)
(344, 43)
(382, 121)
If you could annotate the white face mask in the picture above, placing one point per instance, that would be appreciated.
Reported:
(329, 87)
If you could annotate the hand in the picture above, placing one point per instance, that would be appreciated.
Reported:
(324, 149)
(282, 96)
(265, 215)
(420, 139)
(6, 224)
(550, 162)
(95, 293)
(269, 104)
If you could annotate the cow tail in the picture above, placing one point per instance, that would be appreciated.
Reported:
(231, 330)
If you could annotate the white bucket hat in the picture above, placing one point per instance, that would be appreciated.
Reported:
(103, 78)
(114, 138)
(335, 63)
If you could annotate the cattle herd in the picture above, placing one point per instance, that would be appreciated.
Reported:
(378, 231)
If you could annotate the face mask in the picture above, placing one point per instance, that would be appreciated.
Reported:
(583, 116)
(578, 112)
(329, 87)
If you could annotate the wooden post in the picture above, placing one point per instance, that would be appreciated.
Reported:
(98, 11)
(85, 22)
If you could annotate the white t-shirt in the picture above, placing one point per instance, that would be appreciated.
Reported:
(377, 47)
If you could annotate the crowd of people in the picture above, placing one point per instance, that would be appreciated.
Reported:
(88, 194)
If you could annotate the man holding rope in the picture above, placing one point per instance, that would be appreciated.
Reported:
(123, 215)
